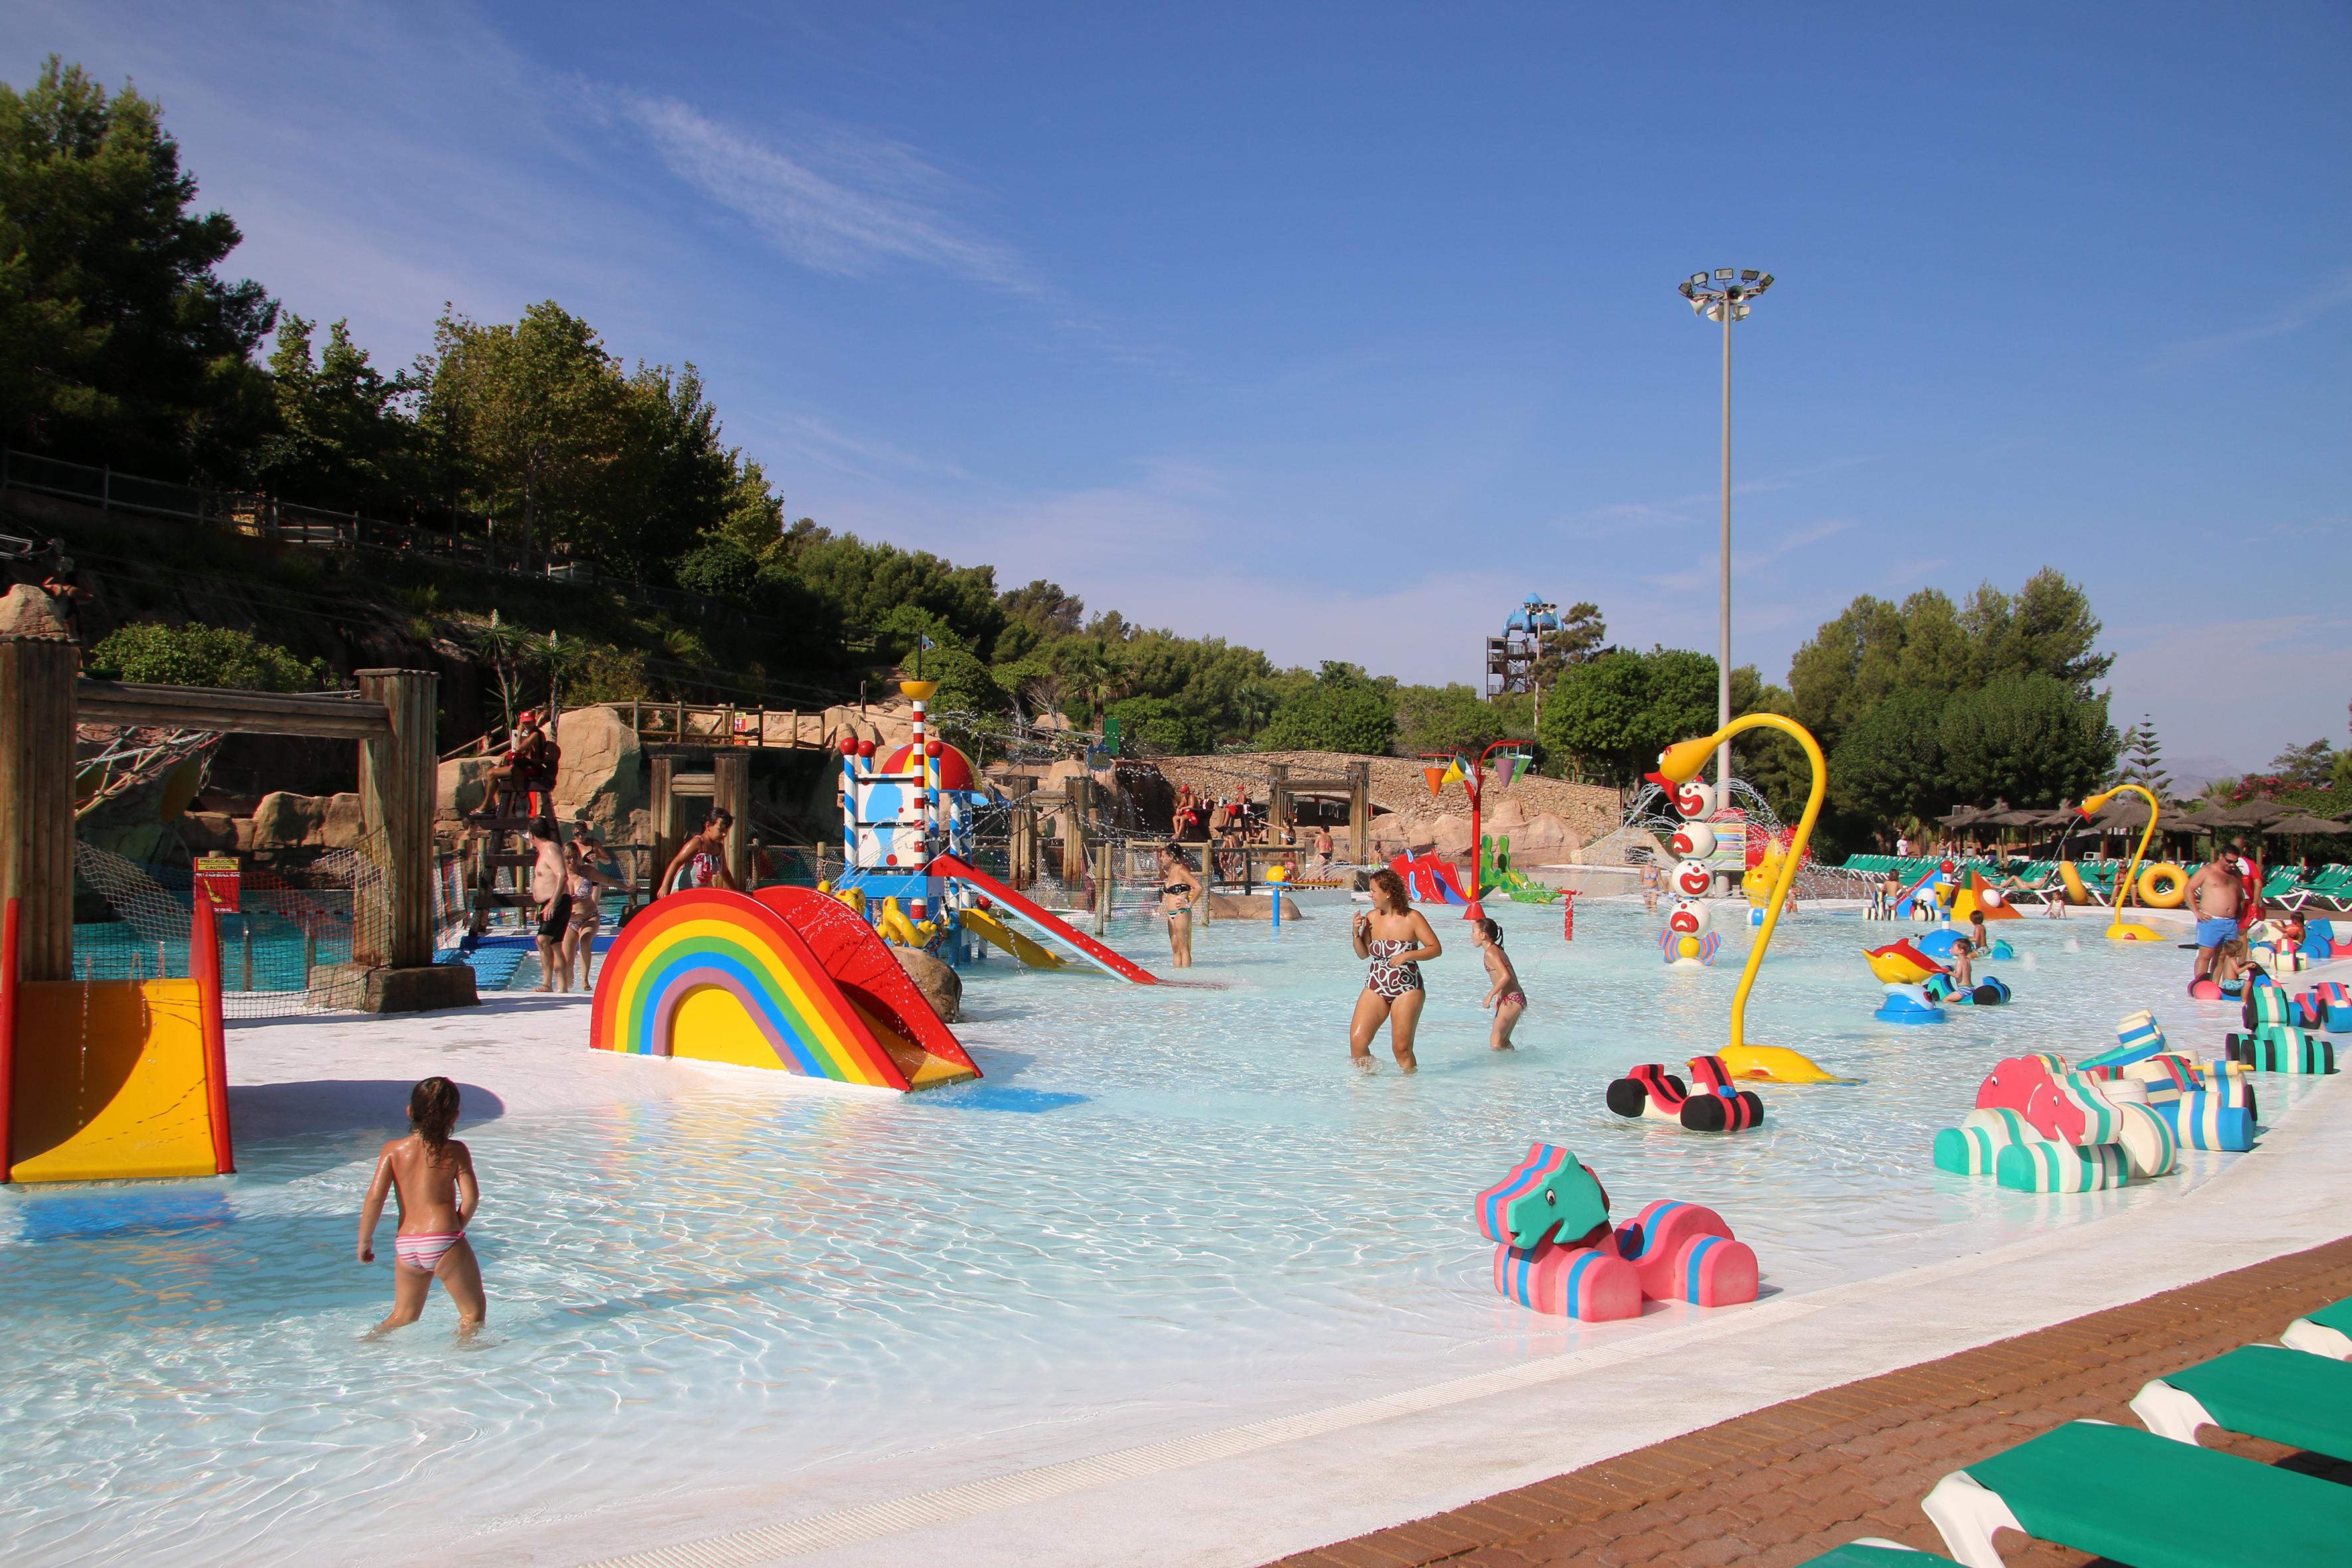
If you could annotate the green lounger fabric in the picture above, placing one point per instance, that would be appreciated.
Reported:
(2337, 1317)
(2119, 1493)
(1856, 1555)
(2269, 1391)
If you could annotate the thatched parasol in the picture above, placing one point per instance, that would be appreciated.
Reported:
(1962, 816)
(2125, 811)
(2256, 813)
(2302, 824)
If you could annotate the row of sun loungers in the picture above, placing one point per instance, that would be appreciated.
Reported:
(2154, 1499)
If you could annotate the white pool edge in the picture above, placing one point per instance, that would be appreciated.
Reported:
(1238, 1496)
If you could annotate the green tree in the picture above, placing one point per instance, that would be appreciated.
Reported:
(2025, 739)
(2140, 760)
(1341, 709)
(718, 568)
(1580, 637)
(1094, 674)
(120, 341)
(1159, 726)
(1614, 714)
(1890, 765)
(2306, 767)
(199, 654)
(1456, 718)
(341, 437)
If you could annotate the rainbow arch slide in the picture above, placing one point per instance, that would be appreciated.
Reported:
(790, 980)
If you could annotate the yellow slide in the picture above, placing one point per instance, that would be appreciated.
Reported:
(112, 1082)
(1001, 935)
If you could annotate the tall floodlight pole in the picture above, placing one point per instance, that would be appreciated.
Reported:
(1724, 297)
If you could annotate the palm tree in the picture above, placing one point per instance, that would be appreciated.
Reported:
(510, 651)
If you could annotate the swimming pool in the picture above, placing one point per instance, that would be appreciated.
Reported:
(1165, 1209)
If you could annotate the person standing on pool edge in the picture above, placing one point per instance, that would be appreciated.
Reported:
(434, 1175)
(2214, 896)
(1397, 938)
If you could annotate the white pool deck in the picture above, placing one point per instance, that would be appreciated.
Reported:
(1241, 1495)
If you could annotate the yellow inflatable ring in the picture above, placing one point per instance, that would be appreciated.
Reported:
(2163, 885)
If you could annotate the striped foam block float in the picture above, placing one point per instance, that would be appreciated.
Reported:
(1590, 1283)
(2283, 1049)
(1971, 1149)
(1684, 1252)
(2206, 1119)
(2266, 1005)
(2148, 1141)
(2167, 1076)
(2137, 1037)
(2048, 1167)
(1648, 1090)
(2085, 1114)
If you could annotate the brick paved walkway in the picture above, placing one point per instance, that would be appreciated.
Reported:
(1777, 1485)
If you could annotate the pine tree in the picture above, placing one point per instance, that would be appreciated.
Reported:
(2141, 759)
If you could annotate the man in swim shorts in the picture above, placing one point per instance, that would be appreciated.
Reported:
(2214, 895)
(549, 892)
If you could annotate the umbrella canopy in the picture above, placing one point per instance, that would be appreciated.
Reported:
(2247, 814)
(1962, 816)
(2124, 811)
(2190, 819)
(2064, 816)
(2304, 823)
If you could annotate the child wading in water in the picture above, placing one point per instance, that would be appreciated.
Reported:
(434, 1175)
(1504, 995)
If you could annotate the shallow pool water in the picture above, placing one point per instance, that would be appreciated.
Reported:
(1165, 1209)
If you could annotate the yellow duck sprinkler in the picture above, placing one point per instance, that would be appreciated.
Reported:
(1677, 766)
(2120, 929)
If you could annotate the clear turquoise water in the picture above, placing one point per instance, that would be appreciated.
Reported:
(1166, 1209)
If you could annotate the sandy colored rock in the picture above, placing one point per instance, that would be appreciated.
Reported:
(601, 777)
(461, 786)
(340, 825)
(284, 821)
(941, 986)
(1506, 815)
(208, 832)
(27, 612)
(1450, 835)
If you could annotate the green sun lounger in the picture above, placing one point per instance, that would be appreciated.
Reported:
(2327, 1331)
(1876, 1552)
(2263, 1391)
(2121, 1493)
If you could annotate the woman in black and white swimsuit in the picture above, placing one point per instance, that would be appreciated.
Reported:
(1397, 938)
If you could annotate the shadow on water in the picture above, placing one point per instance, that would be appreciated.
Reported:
(342, 1105)
(998, 1090)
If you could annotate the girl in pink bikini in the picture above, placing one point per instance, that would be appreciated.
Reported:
(434, 1175)
(1504, 995)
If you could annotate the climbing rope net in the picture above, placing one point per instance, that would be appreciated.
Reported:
(287, 950)
(112, 760)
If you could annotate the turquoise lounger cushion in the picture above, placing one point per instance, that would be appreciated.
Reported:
(1857, 1555)
(2337, 1316)
(2271, 1392)
(2119, 1493)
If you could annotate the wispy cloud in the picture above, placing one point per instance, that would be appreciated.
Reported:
(2331, 295)
(836, 201)
(1594, 521)
(1744, 561)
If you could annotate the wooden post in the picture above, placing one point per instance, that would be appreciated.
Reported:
(1277, 801)
(1020, 849)
(1359, 812)
(37, 803)
(731, 789)
(664, 812)
(396, 791)
(1079, 792)
(1104, 871)
(1208, 911)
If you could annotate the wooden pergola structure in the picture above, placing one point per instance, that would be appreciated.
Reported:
(1355, 787)
(43, 695)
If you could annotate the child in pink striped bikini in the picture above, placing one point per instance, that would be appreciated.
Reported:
(434, 1175)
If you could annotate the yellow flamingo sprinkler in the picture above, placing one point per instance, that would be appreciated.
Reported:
(2120, 929)
(1682, 762)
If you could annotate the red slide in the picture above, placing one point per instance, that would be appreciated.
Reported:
(949, 865)
(863, 967)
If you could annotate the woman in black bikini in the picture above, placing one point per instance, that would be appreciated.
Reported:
(1397, 938)
(1178, 886)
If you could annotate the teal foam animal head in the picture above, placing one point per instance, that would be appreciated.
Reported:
(1548, 1192)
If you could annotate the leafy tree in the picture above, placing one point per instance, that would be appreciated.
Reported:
(1094, 673)
(2306, 767)
(865, 581)
(1890, 765)
(511, 652)
(341, 437)
(2024, 738)
(1341, 709)
(1457, 718)
(2141, 760)
(120, 342)
(199, 654)
(1614, 714)
(718, 568)
(965, 684)
(1159, 725)
(1580, 637)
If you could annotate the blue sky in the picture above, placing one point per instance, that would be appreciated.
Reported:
(1339, 329)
